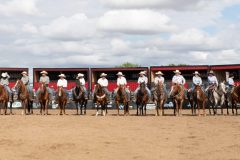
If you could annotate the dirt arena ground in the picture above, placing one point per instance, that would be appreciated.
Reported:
(73, 137)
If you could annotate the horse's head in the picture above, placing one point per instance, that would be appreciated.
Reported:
(175, 89)
(43, 87)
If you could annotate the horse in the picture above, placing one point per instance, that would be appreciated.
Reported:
(61, 99)
(235, 98)
(79, 98)
(160, 97)
(43, 98)
(199, 99)
(24, 97)
(216, 96)
(121, 98)
(191, 102)
(3, 99)
(101, 99)
(142, 99)
(177, 92)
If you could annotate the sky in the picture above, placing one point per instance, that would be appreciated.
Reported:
(106, 33)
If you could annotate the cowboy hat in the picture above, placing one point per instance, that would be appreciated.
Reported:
(80, 75)
(196, 72)
(24, 72)
(103, 75)
(119, 74)
(44, 72)
(4, 74)
(159, 73)
(177, 71)
(211, 72)
(143, 72)
(62, 75)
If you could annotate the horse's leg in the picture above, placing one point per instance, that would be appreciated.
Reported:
(156, 104)
(137, 109)
(180, 107)
(46, 107)
(5, 107)
(177, 109)
(117, 105)
(204, 105)
(97, 109)
(85, 107)
(198, 105)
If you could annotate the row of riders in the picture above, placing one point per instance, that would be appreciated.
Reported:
(215, 93)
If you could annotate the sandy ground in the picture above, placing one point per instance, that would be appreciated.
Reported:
(117, 137)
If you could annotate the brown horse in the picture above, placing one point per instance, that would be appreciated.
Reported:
(177, 92)
(142, 99)
(24, 97)
(160, 97)
(61, 99)
(121, 98)
(101, 99)
(3, 99)
(79, 98)
(235, 98)
(43, 98)
(200, 99)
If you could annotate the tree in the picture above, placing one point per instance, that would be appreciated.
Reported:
(128, 65)
(177, 64)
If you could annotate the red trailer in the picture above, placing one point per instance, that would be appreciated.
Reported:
(131, 75)
(14, 73)
(186, 71)
(71, 74)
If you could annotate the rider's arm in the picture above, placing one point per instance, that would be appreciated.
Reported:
(183, 80)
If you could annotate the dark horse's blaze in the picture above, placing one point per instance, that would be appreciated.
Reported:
(79, 98)
(142, 99)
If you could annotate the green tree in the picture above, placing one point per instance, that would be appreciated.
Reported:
(128, 65)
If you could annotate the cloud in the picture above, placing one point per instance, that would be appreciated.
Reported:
(75, 27)
(19, 7)
(4, 28)
(135, 22)
(30, 28)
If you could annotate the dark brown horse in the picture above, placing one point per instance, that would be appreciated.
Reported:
(79, 98)
(3, 99)
(43, 98)
(160, 97)
(200, 99)
(121, 98)
(24, 97)
(62, 100)
(235, 98)
(142, 99)
(177, 93)
(101, 99)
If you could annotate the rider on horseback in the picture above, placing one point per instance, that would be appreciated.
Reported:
(104, 84)
(160, 79)
(121, 80)
(212, 82)
(5, 82)
(25, 80)
(142, 78)
(45, 79)
(230, 82)
(62, 82)
(197, 81)
(179, 79)
(81, 82)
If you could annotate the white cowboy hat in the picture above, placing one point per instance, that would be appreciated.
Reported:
(62, 75)
(177, 71)
(159, 73)
(211, 72)
(4, 74)
(143, 72)
(44, 72)
(24, 72)
(103, 75)
(196, 72)
(80, 75)
(119, 74)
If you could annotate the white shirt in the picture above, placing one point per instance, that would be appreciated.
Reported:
(179, 79)
(197, 80)
(158, 79)
(121, 81)
(231, 81)
(212, 80)
(142, 79)
(62, 82)
(82, 81)
(103, 82)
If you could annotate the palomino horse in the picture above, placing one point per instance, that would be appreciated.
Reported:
(216, 97)
(235, 98)
(121, 97)
(3, 99)
(142, 99)
(177, 92)
(24, 97)
(43, 98)
(61, 99)
(79, 98)
(101, 99)
(160, 97)
(199, 99)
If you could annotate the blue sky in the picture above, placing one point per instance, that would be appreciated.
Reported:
(105, 33)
